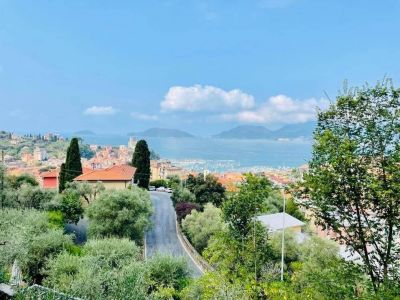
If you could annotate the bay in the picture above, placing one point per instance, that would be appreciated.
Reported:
(219, 155)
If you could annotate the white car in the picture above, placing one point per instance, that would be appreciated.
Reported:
(160, 189)
(152, 188)
(168, 190)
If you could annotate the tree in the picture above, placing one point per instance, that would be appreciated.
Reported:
(61, 178)
(240, 209)
(206, 189)
(185, 208)
(87, 191)
(181, 195)
(73, 165)
(123, 213)
(201, 226)
(71, 207)
(30, 239)
(354, 178)
(15, 182)
(141, 161)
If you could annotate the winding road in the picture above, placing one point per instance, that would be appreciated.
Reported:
(163, 238)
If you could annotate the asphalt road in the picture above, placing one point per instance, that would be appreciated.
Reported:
(162, 238)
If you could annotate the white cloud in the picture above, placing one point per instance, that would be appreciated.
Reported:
(144, 117)
(205, 98)
(100, 110)
(280, 109)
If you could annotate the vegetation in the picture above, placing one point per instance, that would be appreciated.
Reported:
(141, 161)
(206, 189)
(158, 183)
(353, 181)
(123, 213)
(71, 207)
(185, 208)
(28, 237)
(182, 195)
(201, 226)
(73, 166)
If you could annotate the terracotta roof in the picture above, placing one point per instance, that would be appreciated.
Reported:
(53, 173)
(114, 173)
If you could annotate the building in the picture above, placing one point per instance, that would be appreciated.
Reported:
(278, 221)
(40, 154)
(132, 143)
(115, 177)
(164, 169)
(50, 179)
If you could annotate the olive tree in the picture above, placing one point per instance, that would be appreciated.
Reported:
(123, 213)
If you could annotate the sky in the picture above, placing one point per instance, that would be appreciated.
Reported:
(200, 66)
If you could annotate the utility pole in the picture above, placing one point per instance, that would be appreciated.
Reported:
(283, 232)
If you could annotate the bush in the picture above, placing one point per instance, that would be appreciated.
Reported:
(180, 195)
(200, 226)
(158, 183)
(123, 213)
(71, 207)
(30, 239)
(28, 196)
(167, 272)
(184, 209)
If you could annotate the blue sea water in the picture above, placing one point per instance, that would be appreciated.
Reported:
(221, 154)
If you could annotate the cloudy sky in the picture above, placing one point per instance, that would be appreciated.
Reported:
(201, 66)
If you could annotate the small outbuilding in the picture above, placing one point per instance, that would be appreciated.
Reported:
(278, 221)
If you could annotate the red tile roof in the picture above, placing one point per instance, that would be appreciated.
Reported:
(53, 173)
(114, 173)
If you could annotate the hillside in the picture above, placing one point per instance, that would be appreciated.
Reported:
(260, 132)
(163, 132)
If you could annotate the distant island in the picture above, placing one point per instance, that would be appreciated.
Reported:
(260, 132)
(162, 132)
(84, 132)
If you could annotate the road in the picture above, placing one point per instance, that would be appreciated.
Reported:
(163, 238)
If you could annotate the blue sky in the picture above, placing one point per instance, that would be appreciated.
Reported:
(201, 66)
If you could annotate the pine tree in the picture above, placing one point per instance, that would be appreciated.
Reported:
(73, 165)
(141, 161)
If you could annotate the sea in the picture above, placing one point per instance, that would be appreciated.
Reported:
(221, 155)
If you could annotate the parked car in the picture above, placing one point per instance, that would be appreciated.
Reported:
(168, 190)
(160, 189)
(152, 188)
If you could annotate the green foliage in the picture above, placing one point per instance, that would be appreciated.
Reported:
(174, 181)
(181, 195)
(353, 181)
(71, 206)
(85, 190)
(158, 183)
(206, 190)
(167, 272)
(73, 165)
(28, 196)
(111, 269)
(15, 182)
(141, 161)
(123, 213)
(86, 152)
(243, 206)
(56, 219)
(30, 239)
(201, 226)
(61, 178)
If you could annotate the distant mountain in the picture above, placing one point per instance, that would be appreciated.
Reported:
(163, 132)
(245, 132)
(296, 130)
(260, 132)
(84, 132)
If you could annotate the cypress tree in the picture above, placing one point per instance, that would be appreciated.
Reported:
(73, 166)
(61, 179)
(141, 161)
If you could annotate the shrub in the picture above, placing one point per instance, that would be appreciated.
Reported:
(180, 195)
(200, 226)
(185, 208)
(158, 183)
(123, 213)
(71, 207)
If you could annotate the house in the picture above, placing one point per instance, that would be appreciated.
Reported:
(115, 177)
(50, 179)
(278, 221)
